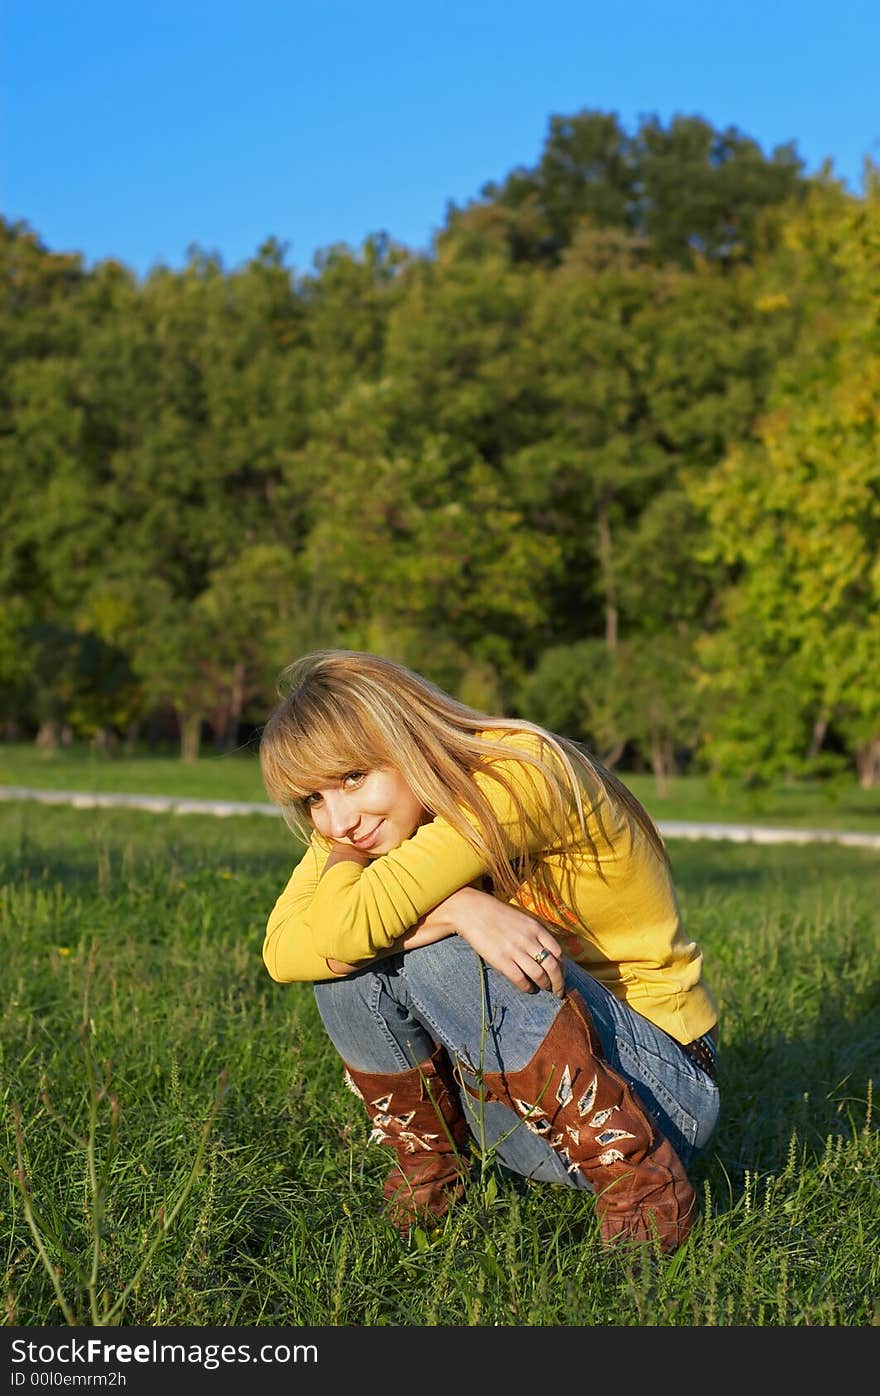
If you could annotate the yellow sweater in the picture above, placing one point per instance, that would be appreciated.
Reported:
(621, 922)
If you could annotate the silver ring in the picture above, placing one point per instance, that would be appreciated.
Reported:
(540, 956)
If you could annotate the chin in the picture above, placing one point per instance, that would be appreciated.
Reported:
(386, 846)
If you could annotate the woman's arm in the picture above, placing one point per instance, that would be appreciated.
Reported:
(502, 935)
(289, 952)
(422, 934)
(349, 909)
(358, 911)
(427, 931)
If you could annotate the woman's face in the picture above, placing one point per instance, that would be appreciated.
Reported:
(372, 811)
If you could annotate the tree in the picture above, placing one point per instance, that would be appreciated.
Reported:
(422, 548)
(687, 191)
(795, 518)
(646, 375)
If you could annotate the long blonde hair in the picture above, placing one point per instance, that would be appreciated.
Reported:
(344, 710)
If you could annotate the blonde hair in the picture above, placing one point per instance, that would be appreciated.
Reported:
(344, 710)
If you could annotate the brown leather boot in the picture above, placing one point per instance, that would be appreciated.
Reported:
(417, 1113)
(588, 1114)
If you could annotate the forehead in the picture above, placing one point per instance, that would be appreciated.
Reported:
(315, 768)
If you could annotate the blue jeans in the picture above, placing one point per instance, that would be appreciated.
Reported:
(391, 1015)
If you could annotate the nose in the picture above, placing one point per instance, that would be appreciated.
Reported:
(342, 818)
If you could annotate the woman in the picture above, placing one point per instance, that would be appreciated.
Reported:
(579, 1040)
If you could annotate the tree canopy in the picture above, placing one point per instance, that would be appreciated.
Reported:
(606, 456)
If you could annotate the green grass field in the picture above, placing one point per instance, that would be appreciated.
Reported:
(834, 805)
(110, 1087)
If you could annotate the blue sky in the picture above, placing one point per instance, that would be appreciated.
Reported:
(133, 130)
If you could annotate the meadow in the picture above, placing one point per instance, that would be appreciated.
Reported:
(179, 1147)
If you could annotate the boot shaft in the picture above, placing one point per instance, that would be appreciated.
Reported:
(588, 1114)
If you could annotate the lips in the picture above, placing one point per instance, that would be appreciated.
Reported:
(369, 839)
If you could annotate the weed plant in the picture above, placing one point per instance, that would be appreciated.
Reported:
(180, 1149)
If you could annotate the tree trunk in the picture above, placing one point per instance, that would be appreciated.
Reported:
(868, 763)
(132, 733)
(52, 734)
(104, 739)
(662, 764)
(820, 727)
(224, 719)
(611, 755)
(190, 736)
(605, 556)
(236, 706)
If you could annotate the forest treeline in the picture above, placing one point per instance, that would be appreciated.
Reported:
(607, 456)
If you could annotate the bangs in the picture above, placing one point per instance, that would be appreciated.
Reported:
(314, 749)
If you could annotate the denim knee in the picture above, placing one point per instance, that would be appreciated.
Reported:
(369, 1022)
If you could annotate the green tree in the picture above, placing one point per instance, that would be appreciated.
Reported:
(686, 191)
(424, 548)
(795, 518)
(580, 691)
(646, 375)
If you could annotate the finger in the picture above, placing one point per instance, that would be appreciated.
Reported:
(554, 975)
(527, 973)
(546, 975)
(521, 979)
(557, 978)
(546, 950)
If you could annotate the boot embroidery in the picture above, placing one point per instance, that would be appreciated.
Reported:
(383, 1120)
(588, 1099)
(610, 1156)
(402, 1120)
(412, 1142)
(601, 1116)
(346, 1076)
(537, 1126)
(564, 1091)
(382, 1103)
(534, 1119)
(609, 1136)
(407, 1139)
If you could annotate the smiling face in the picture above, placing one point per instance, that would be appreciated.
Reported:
(372, 811)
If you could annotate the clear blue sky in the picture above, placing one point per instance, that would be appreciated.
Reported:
(133, 130)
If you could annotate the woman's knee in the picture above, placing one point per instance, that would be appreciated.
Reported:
(370, 1023)
(335, 994)
(346, 1006)
(446, 967)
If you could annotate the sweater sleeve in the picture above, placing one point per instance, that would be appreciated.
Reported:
(287, 946)
(353, 913)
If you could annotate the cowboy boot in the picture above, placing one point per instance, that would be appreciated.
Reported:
(417, 1113)
(589, 1116)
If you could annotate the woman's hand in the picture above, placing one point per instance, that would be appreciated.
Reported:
(505, 937)
(345, 853)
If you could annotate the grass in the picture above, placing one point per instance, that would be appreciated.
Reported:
(178, 1138)
(236, 776)
(233, 776)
